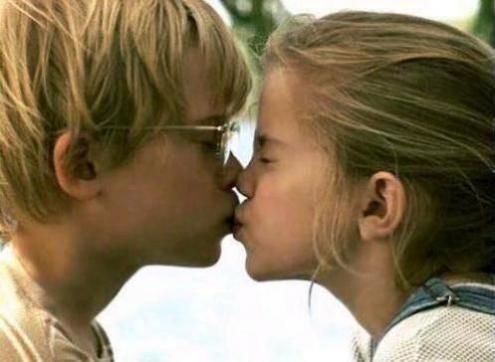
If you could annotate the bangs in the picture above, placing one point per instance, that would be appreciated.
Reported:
(227, 68)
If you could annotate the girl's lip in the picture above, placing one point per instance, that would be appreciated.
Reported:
(237, 214)
(236, 227)
(237, 224)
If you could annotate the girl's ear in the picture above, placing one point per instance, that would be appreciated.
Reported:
(383, 206)
(76, 169)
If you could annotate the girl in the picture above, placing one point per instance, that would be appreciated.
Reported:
(373, 176)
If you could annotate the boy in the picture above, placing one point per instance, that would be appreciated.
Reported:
(113, 129)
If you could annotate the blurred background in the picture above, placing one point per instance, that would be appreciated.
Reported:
(170, 314)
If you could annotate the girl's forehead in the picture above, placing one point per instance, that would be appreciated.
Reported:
(278, 104)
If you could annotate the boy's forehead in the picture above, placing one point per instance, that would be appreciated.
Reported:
(201, 104)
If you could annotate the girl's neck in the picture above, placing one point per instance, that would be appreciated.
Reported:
(372, 300)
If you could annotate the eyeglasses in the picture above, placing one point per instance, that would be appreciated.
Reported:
(223, 135)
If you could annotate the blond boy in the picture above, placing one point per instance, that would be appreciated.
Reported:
(113, 128)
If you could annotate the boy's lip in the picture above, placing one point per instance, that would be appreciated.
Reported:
(234, 204)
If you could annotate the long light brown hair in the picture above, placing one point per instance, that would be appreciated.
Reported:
(410, 96)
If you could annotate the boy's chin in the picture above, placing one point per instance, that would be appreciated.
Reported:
(206, 260)
(202, 258)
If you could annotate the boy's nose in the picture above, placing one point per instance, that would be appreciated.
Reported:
(231, 172)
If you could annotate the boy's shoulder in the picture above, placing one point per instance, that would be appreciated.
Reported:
(23, 334)
(29, 333)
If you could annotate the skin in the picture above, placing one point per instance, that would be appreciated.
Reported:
(277, 214)
(171, 204)
(275, 223)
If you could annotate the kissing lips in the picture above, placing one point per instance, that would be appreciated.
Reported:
(237, 225)
(236, 228)
(239, 221)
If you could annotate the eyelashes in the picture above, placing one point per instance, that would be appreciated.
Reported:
(209, 146)
(265, 160)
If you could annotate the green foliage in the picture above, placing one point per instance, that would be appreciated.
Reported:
(254, 20)
(483, 25)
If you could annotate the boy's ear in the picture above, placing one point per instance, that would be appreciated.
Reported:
(382, 208)
(76, 171)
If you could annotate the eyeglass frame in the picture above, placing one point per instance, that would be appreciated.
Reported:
(226, 130)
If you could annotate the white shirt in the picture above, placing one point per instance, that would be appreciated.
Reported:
(446, 333)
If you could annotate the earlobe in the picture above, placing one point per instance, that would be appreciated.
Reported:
(383, 207)
(75, 171)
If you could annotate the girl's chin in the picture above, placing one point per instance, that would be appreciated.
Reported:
(256, 272)
(270, 271)
(261, 277)
(261, 273)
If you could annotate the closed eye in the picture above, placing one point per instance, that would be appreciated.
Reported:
(209, 146)
(265, 160)
(207, 140)
(263, 157)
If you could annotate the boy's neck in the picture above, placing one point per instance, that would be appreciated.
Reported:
(76, 282)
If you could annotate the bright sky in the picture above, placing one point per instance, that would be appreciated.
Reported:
(436, 9)
(446, 10)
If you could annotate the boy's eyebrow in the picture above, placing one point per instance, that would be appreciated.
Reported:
(213, 120)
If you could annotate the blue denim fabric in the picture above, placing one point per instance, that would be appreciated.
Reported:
(435, 292)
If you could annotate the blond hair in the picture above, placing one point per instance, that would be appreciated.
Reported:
(97, 67)
(413, 97)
